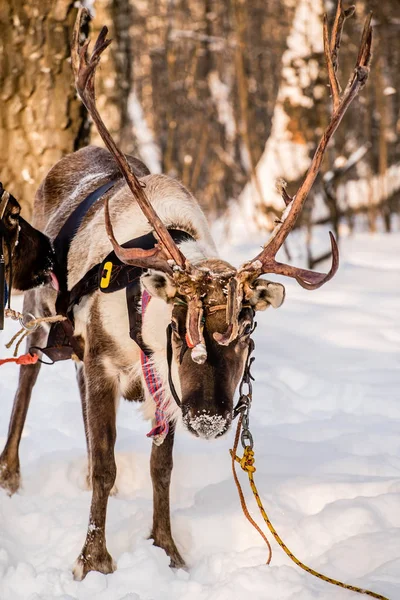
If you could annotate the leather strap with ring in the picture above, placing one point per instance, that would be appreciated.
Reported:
(27, 325)
(185, 347)
(4, 198)
(169, 361)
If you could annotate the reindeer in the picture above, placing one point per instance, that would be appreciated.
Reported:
(27, 258)
(198, 323)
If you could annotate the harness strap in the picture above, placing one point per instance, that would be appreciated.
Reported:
(3, 285)
(63, 240)
(109, 276)
(5, 291)
(4, 198)
(133, 301)
(185, 346)
(169, 361)
(112, 274)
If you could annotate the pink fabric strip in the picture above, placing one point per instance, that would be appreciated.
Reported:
(155, 387)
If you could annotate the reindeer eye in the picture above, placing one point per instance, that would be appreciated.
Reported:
(247, 329)
(174, 326)
(13, 219)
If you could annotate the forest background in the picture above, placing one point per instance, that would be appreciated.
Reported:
(226, 95)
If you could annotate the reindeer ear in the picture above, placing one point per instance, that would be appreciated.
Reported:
(159, 285)
(9, 211)
(267, 293)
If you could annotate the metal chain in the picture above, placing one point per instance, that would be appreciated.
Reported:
(245, 398)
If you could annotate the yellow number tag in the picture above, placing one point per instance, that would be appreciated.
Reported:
(105, 280)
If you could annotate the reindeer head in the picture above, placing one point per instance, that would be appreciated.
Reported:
(212, 303)
(26, 250)
(207, 367)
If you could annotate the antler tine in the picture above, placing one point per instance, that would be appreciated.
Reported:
(335, 87)
(84, 67)
(311, 280)
(364, 54)
(336, 36)
(265, 261)
(135, 256)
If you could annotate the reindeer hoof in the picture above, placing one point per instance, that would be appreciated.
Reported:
(10, 479)
(177, 562)
(171, 550)
(85, 563)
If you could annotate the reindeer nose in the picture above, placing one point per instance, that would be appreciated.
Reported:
(205, 424)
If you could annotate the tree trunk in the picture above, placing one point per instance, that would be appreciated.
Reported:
(206, 74)
(40, 117)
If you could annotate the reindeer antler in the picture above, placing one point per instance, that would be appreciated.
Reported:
(84, 67)
(265, 261)
(166, 253)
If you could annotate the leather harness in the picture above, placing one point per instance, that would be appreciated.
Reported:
(5, 290)
(108, 276)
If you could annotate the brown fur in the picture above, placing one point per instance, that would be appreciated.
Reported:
(106, 372)
(134, 392)
(99, 394)
(161, 465)
(62, 180)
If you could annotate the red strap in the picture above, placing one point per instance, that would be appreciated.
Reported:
(25, 359)
(189, 341)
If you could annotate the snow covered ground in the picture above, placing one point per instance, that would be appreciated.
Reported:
(326, 422)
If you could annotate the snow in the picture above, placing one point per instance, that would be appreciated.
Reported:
(326, 422)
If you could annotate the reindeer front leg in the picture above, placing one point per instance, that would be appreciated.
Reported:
(10, 478)
(161, 467)
(101, 393)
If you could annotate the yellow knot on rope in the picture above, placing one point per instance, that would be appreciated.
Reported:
(247, 461)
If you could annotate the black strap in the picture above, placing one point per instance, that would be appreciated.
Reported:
(88, 284)
(61, 344)
(122, 275)
(2, 264)
(2, 284)
(133, 299)
(62, 242)
(169, 361)
(5, 292)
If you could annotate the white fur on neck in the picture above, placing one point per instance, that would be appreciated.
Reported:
(197, 250)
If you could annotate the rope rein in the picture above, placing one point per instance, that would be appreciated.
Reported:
(247, 463)
(240, 492)
(28, 327)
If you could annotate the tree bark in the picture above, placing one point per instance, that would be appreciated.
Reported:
(40, 117)
(209, 113)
